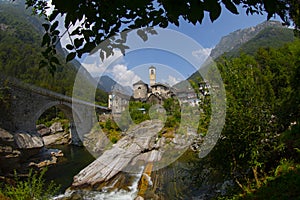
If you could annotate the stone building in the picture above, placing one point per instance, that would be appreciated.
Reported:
(118, 102)
(156, 93)
(140, 91)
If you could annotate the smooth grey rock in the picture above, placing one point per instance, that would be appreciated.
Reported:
(139, 140)
(6, 137)
(56, 127)
(43, 130)
(58, 138)
(28, 140)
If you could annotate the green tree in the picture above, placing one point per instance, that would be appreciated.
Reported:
(99, 20)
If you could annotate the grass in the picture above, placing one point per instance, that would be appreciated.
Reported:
(34, 187)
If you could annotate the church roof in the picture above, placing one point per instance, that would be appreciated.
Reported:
(140, 82)
(161, 84)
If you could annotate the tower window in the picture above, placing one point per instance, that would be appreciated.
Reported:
(152, 72)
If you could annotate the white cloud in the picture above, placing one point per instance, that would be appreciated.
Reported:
(123, 76)
(172, 80)
(202, 53)
(96, 67)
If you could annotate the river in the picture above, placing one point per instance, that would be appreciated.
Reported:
(186, 178)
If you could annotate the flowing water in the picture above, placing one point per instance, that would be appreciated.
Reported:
(186, 178)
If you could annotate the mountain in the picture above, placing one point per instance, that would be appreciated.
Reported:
(109, 85)
(20, 53)
(106, 83)
(266, 34)
(269, 34)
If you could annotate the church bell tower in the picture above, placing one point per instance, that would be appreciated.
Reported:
(152, 75)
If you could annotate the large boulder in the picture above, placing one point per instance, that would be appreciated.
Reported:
(56, 127)
(25, 140)
(9, 156)
(96, 141)
(43, 130)
(57, 139)
(138, 145)
(6, 138)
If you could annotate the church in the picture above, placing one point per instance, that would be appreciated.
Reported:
(155, 93)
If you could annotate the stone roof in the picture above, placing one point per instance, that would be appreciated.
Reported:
(162, 84)
(140, 82)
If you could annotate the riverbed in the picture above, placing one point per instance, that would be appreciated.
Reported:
(186, 178)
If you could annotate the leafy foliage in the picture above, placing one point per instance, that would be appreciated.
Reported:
(260, 109)
(32, 188)
(96, 21)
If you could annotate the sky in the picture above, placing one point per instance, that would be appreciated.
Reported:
(176, 52)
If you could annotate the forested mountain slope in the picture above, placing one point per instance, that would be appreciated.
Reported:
(266, 34)
(20, 53)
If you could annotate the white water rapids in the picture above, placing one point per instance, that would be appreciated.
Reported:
(109, 195)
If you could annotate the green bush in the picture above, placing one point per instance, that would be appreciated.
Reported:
(34, 187)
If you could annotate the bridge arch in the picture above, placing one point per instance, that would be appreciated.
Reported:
(70, 112)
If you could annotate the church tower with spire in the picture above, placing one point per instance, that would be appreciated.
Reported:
(152, 75)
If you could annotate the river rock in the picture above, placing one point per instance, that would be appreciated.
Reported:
(140, 139)
(25, 140)
(57, 139)
(9, 156)
(6, 138)
(56, 127)
(96, 141)
(43, 130)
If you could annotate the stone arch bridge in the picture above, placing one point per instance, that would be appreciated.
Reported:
(28, 103)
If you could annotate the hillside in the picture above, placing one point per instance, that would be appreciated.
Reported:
(269, 34)
(20, 53)
(266, 34)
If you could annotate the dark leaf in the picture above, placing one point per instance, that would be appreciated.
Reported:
(76, 31)
(46, 26)
(54, 60)
(53, 15)
(56, 32)
(78, 42)
(230, 6)
(70, 56)
(214, 14)
(70, 47)
(46, 39)
(54, 26)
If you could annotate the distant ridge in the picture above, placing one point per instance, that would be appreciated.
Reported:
(235, 40)
(249, 40)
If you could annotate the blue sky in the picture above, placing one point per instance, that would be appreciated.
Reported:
(172, 62)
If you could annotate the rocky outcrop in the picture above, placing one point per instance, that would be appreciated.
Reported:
(54, 135)
(21, 150)
(57, 139)
(43, 130)
(139, 145)
(9, 155)
(96, 141)
(56, 127)
(25, 140)
(237, 38)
